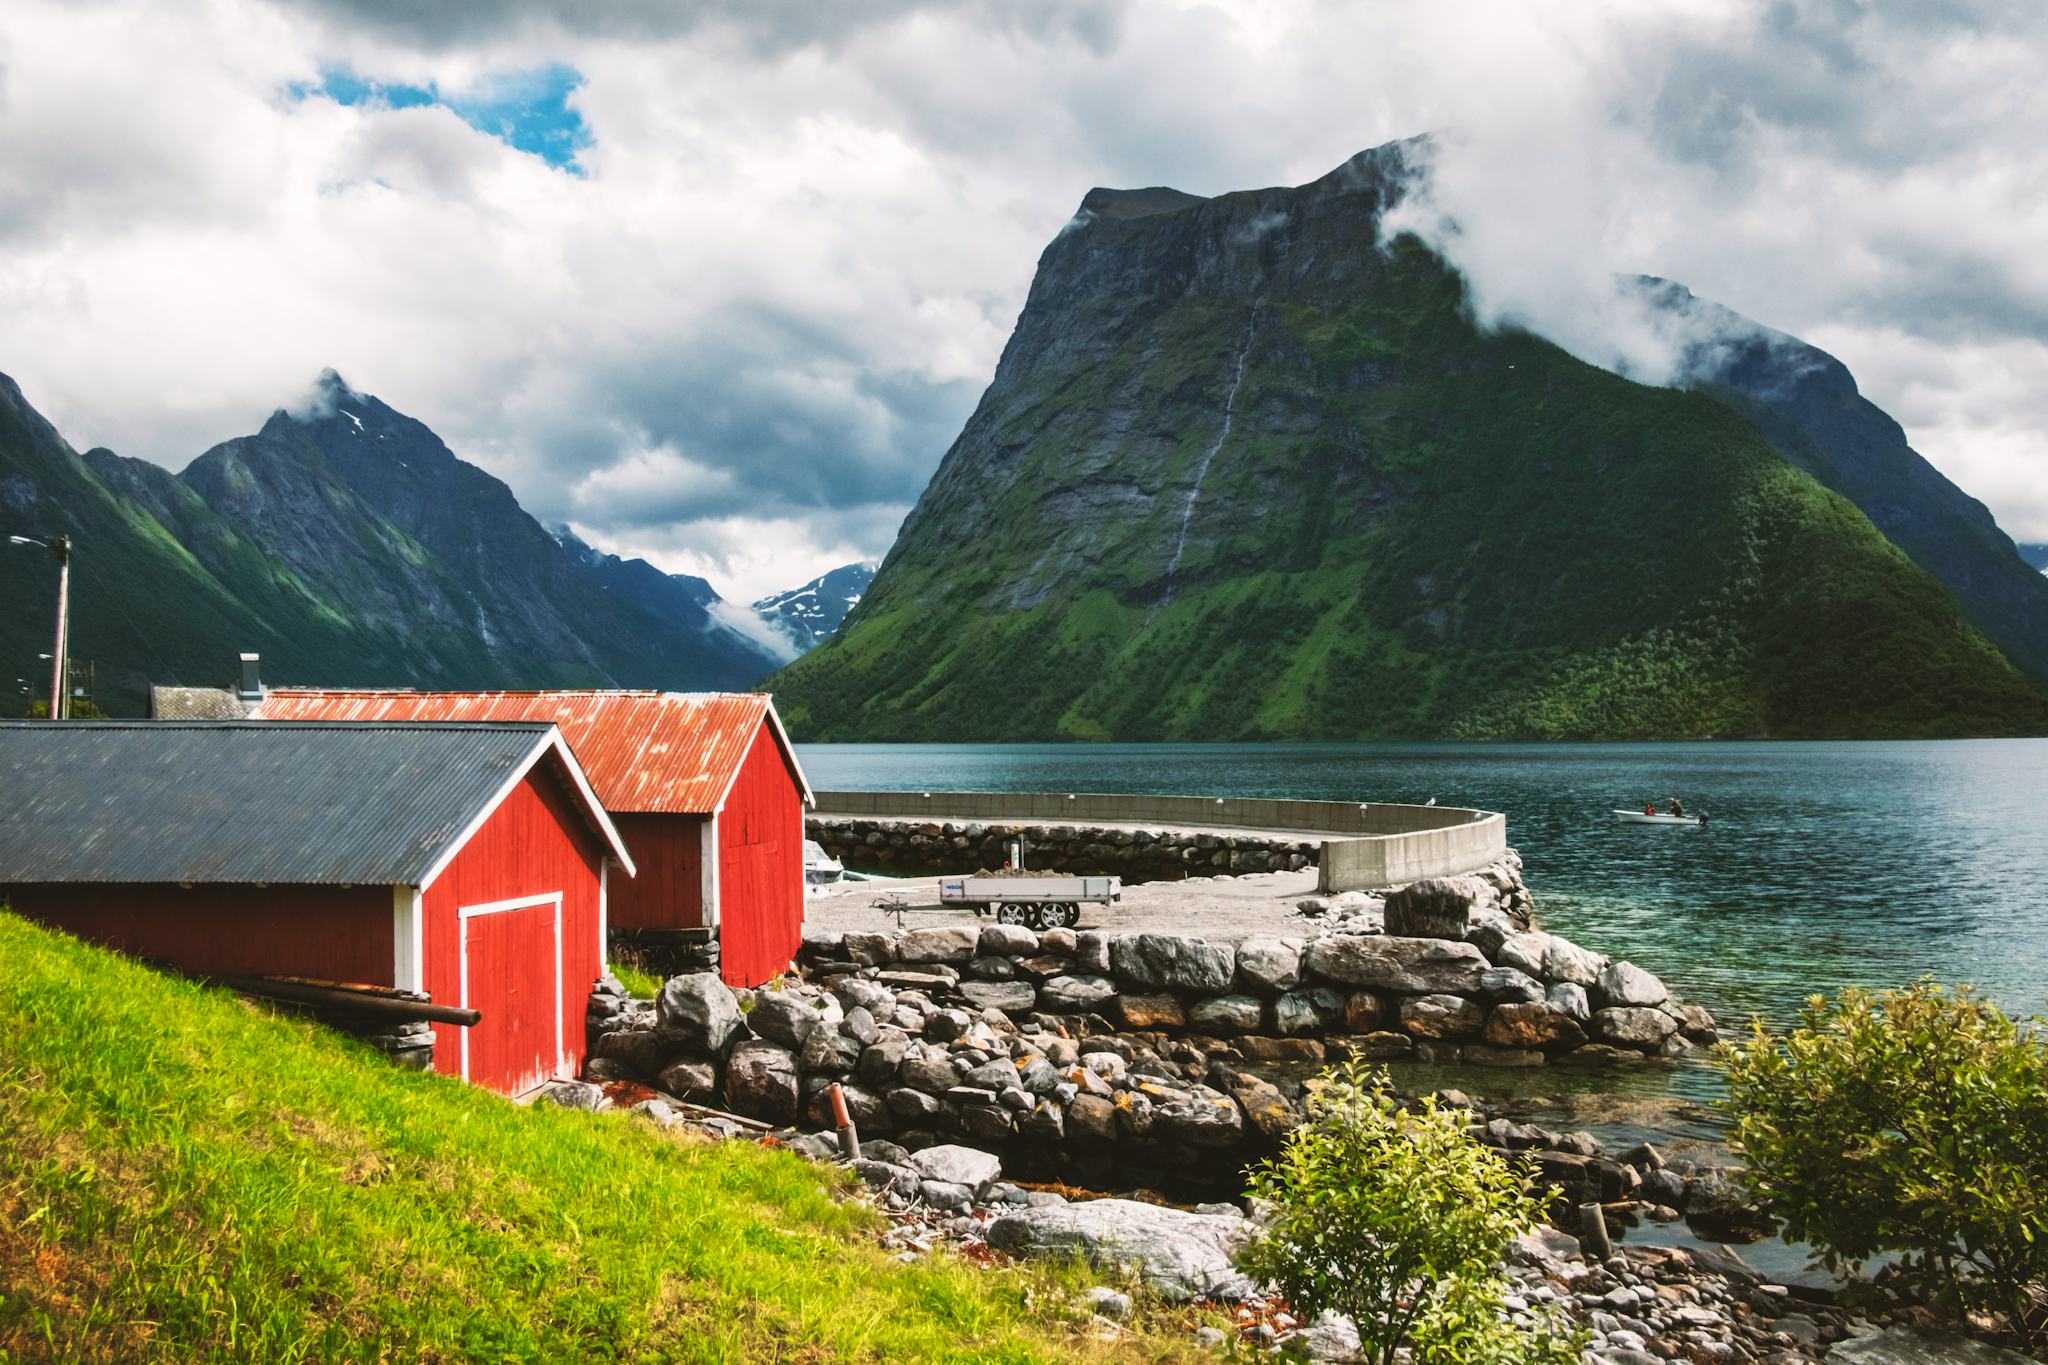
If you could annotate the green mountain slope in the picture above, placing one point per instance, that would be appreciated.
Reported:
(348, 546)
(1242, 473)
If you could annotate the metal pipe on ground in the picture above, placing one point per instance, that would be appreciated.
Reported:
(849, 1139)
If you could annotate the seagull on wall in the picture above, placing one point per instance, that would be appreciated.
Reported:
(1430, 802)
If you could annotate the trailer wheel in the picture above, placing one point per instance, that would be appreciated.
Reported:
(1036, 918)
(1072, 916)
(1009, 912)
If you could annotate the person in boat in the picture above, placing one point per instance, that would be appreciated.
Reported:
(1676, 807)
(1649, 807)
(1702, 818)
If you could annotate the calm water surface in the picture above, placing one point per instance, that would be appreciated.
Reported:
(1822, 865)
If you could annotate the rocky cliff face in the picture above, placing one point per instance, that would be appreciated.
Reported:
(348, 546)
(1246, 469)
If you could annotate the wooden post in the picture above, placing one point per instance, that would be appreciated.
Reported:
(1593, 1242)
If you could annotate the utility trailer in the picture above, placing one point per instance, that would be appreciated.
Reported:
(1040, 902)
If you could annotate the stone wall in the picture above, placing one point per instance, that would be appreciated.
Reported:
(907, 847)
(1138, 1058)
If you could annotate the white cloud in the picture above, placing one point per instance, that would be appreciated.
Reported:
(740, 344)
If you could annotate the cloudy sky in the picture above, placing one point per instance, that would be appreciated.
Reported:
(717, 283)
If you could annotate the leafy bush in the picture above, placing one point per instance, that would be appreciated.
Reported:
(1913, 1121)
(1400, 1221)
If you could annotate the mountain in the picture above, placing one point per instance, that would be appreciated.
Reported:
(1806, 404)
(348, 545)
(1249, 470)
(2035, 555)
(807, 615)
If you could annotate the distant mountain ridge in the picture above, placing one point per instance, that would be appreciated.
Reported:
(808, 615)
(1248, 470)
(2036, 555)
(347, 544)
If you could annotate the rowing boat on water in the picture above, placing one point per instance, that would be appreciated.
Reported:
(1636, 817)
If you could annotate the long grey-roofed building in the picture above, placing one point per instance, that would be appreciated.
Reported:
(468, 862)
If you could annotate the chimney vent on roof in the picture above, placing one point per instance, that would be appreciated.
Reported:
(252, 686)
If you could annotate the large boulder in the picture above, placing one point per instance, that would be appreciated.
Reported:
(943, 943)
(761, 1082)
(1145, 1012)
(1623, 984)
(1442, 1016)
(1524, 952)
(1207, 1118)
(1502, 984)
(869, 950)
(698, 1011)
(1407, 966)
(689, 1079)
(1091, 1118)
(1074, 994)
(1315, 1010)
(1435, 907)
(783, 1018)
(1641, 1028)
(1182, 1256)
(968, 1166)
(1173, 962)
(1007, 940)
(1268, 965)
(1571, 1000)
(1564, 960)
(1227, 1014)
(1532, 1024)
(1011, 997)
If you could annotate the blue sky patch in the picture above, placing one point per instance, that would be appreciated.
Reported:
(528, 110)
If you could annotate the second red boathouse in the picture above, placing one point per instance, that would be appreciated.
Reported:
(705, 788)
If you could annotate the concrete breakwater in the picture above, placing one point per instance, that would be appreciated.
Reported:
(908, 848)
(1136, 1059)
(1356, 845)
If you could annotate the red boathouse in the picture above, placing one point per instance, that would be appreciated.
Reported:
(468, 862)
(705, 788)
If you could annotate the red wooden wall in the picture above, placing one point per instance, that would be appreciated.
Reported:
(760, 867)
(330, 932)
(669, 892)
(534, 844)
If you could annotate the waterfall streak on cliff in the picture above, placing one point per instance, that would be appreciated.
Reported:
(1244, 350)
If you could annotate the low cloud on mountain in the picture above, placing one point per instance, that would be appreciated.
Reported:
(775, 250)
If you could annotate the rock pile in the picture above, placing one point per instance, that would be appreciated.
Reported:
(934, 1046)
(911, 846)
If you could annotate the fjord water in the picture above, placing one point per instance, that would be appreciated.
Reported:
(1821, 866)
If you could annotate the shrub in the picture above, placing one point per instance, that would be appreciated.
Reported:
(1400, 1221)
(1913, 1121)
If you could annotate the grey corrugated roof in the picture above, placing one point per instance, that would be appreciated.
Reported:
(245, 801)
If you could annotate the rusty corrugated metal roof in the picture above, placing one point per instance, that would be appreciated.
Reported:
(675, 752)
(241, 801)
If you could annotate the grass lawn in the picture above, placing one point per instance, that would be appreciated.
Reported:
(187, 1176)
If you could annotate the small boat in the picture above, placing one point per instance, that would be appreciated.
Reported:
(821, 869)
(1636, 817)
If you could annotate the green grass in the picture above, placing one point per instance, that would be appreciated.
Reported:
(186, 1176)
(645, 985)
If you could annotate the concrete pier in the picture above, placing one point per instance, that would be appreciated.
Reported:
(1357, 846)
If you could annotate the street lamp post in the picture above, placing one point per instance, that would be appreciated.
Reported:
(60, 548)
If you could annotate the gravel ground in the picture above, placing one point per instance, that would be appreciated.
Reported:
(1223, 909)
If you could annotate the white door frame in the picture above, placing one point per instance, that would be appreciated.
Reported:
(469, 912)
